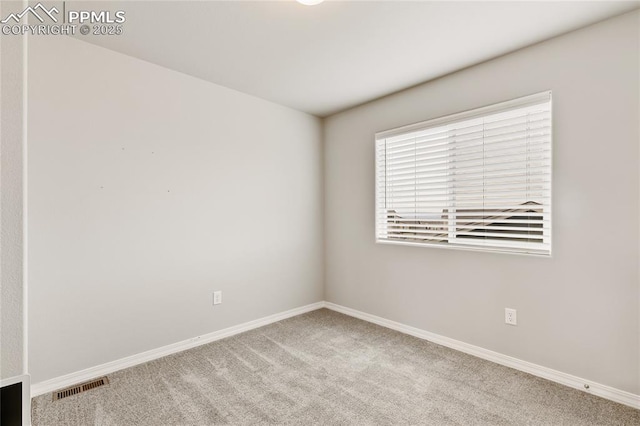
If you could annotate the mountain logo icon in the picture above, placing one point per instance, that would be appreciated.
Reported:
(34, 11)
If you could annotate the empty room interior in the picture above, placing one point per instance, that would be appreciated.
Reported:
(320, 212)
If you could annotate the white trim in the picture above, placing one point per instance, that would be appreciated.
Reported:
(477, 248)
(130, 361)
(603, 391)
(25, 201)
(521, 102)
(26, 399)
(453, 178)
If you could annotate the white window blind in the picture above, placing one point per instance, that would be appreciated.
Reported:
(480, 179)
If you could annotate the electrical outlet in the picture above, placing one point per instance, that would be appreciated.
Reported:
(510, 316)
(217, 297)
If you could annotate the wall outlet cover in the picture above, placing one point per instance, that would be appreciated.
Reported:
(510, 316)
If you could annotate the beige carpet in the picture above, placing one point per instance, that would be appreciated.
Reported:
(325, 368)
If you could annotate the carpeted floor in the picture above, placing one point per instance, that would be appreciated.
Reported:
(325, 368)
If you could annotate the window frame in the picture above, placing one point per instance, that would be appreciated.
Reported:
(507, 247)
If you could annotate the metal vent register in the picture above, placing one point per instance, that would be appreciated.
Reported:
(82, 387)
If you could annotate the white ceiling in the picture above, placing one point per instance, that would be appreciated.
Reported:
(326, 58)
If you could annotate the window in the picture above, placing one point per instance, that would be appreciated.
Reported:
(480, 179)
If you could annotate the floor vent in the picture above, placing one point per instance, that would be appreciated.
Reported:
(82, 387)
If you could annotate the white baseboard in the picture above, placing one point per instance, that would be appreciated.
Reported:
(607, 392)
(130, 361)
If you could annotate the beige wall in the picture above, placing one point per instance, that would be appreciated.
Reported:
(150, 189)
(11, 137)
(578, 310)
